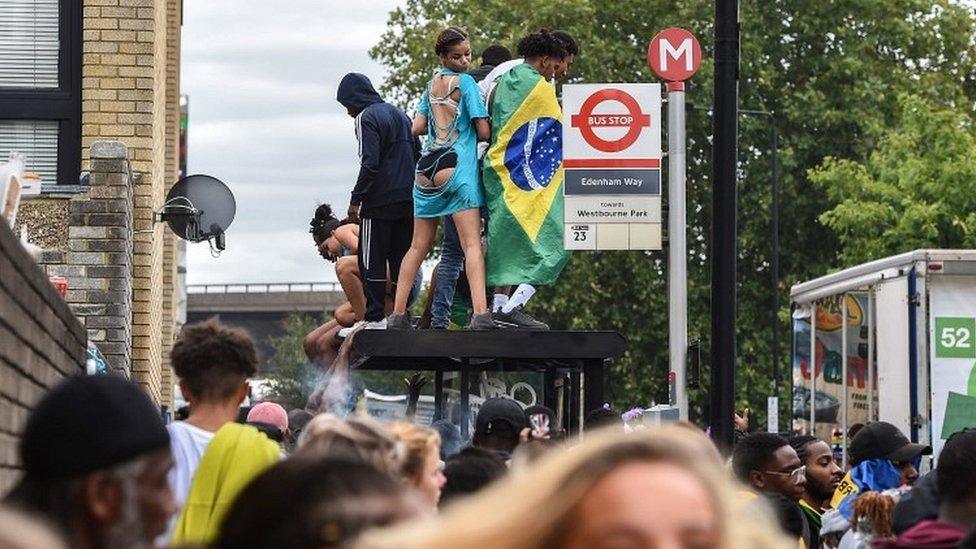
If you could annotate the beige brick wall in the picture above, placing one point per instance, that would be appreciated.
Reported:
(172, 145)
(126, 92)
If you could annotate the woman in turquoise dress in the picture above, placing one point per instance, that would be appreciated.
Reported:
(453, 117)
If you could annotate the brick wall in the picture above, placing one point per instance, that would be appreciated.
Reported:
(130, 93)
(131, 56)
(40, 342)
(98, 265)
(171, 248)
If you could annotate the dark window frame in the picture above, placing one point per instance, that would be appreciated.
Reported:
(62, 104)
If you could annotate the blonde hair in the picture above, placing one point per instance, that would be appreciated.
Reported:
(357, 436)
(416, 444)
(529, 510)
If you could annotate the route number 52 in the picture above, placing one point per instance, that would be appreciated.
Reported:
(954, 337)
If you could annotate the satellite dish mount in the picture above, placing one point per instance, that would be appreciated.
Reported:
(199, 208)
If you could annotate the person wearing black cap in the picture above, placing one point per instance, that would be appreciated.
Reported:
(95, 455)
(498, 426)
(956, 482)
(882, 458)
(882, 440)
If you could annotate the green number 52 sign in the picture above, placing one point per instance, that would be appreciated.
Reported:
(954, 337)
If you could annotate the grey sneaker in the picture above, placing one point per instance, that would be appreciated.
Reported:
(518, 319)
(481, 322)
(398, 322)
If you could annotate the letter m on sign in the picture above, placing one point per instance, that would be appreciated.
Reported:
(674, 54)
(683, 50)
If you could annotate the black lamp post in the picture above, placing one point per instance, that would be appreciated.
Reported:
(724, 231)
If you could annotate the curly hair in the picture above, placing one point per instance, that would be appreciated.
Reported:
(323, 223)
(212, 359)
(448, 38)
(873, 511)
(569, 43)
(542, 44)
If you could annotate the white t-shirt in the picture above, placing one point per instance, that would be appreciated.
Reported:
(488, 83)
(188, 444)
(485, 88)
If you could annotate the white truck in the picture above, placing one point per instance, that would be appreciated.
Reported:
(891, 340)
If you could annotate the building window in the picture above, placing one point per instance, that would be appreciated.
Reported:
(40, 86)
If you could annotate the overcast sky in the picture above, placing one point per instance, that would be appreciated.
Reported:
(261, 78)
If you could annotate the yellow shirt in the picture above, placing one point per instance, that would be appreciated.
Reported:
(237, 454)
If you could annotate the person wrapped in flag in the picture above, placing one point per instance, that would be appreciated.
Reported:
(523, 177)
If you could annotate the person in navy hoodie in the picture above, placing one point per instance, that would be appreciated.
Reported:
(382, 200)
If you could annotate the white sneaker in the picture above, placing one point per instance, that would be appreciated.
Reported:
(362, 325)
(376, 325)
(344, 333)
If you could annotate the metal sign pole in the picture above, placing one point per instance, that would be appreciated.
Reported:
(674, 55)
(677, 248)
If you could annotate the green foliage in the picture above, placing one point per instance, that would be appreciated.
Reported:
(914, 191)
(831, 71)
(290, 377)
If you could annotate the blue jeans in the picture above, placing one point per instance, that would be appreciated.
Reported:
(448, 270)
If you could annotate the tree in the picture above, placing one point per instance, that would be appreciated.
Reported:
(832, 72)
(290, 377)
(914, 191)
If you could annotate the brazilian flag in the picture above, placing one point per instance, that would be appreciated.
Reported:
(523, 178)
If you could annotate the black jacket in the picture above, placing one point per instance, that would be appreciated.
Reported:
(920, 503)
(388, 152)
(481, 72)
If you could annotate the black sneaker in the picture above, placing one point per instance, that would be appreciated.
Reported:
(398, 322)
(518, 319)
(482, 322)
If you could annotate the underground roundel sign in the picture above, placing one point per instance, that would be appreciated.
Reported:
(612, 120)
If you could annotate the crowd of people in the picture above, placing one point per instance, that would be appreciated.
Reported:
(102, 470)
(113, 475)
(489, 174)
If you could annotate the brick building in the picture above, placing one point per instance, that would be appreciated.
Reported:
(95, 107)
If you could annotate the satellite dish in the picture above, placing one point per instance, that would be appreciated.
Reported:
(199, 208)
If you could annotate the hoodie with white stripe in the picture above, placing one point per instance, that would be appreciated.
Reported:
(388, 151)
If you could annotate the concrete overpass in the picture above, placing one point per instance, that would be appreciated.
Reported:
(261, 308)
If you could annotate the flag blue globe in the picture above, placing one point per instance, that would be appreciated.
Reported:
(534, 153)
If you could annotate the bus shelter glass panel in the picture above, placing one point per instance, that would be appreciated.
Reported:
(383, 394)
